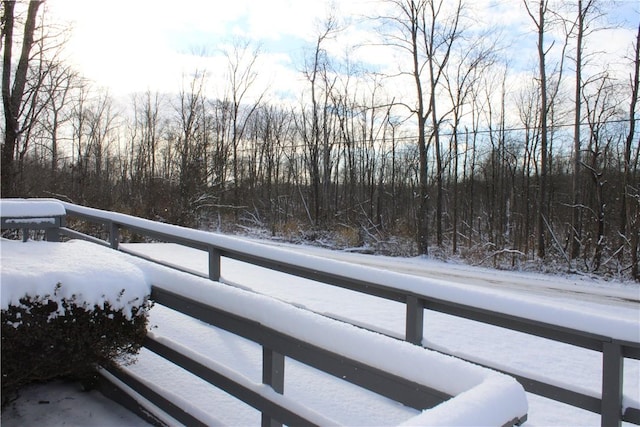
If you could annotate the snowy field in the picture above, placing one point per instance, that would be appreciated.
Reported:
(567, 365)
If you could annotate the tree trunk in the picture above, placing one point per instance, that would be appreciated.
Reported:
(12, 97)
(628, 179)
(539, 22)
(576, 185)
(423, 207)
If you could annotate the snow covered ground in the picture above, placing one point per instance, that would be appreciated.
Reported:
(568, 366)
(66, 404)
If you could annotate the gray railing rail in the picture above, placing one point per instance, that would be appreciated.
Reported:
(275, 347)
(609, 405)
(50, 224)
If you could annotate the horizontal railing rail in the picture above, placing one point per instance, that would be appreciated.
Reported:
(609, 404)
(50, 224)
(277, 345)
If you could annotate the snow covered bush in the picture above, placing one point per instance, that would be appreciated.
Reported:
(40, 344)
(65, 308)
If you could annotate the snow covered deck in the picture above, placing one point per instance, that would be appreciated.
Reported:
(465, 394)
(594, 326)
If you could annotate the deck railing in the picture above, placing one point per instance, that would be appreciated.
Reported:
(613, 351)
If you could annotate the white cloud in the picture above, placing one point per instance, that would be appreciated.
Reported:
(135, 45)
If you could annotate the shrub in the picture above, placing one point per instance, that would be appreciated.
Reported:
(44, 339)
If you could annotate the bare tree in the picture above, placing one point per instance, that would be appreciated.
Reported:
(186, 137)
(630, 194)
(13, 92)
(461, 78)
(586, 12)
(601, 106)
(540, 20)
(314, 125)
(144, 175)
(406, 19)
(426, 30)
(242, 75)
(529, 115)
(59, 84)
(440, 32)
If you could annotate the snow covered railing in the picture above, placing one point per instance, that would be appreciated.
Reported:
(26, 215)
(446, 390)
(614, 338)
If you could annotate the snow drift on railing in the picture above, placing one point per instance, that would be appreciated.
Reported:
(87, 273)
(20, 208)
(574, 318)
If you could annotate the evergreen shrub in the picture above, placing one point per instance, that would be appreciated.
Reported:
(46, 338)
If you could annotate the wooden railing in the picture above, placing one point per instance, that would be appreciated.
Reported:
(275, 347)
(613, 351)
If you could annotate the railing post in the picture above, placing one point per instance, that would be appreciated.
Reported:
(53, 234)
(272, 375)
(414, 328)
(214, 264)
(114, 235)
(612, 367)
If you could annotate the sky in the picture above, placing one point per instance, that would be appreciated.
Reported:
(131, 45)
(138, 45)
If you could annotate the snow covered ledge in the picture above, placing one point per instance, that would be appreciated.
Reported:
(90, 273)
(30, 208)
(32, 214)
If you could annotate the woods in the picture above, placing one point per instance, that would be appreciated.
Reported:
(454, 149)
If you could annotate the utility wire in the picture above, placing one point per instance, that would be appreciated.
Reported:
(459, 133)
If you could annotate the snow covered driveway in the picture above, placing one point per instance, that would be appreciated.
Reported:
(573, 287)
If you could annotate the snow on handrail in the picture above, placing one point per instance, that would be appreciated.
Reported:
(383, 283)
(480, 396)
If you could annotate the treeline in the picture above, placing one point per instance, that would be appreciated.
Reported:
(503, 173)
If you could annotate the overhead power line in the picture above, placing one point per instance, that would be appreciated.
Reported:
(459, 133)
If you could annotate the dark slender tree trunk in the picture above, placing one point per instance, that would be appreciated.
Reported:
(539, 22)
(628, 178)
(576, 185)
(12, 97)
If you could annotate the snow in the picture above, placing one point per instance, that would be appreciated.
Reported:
(475, 407)
(21, 208)
(258, 388)
(66, 404)
(580, 286)
(335, 399)
(87, 272)
(442, 372)
(471, 383)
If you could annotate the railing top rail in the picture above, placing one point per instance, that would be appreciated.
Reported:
(397, 387)
(591, 328)
(17, 208)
